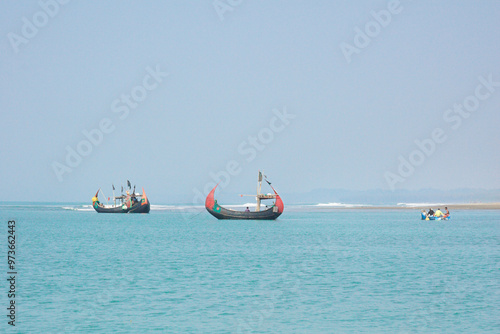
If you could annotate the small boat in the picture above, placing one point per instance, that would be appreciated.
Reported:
(131, 202)
(438, 218)
(271, 213)
(424, 217)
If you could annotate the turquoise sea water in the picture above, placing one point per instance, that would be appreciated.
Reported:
(311, 271)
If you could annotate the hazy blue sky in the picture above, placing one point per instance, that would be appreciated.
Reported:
(70, 68)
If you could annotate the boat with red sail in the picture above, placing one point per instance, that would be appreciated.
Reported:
(270, 213)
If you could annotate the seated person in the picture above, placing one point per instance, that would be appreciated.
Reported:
(447, 213)
(430, 213)
(438, 213)
(423, 214)
(247, 209)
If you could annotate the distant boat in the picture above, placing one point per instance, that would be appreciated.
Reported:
(423, 216)
(130, 202)
(437, 218)
(273, 212)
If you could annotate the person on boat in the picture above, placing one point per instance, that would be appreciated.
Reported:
(423, 214)
(438, 213)
(247, 209)
(134, 200)
(430, 213)
(447, 213)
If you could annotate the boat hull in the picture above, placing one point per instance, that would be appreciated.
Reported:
(136, 208)
(220, 212)
(437, 218)
(223, 213)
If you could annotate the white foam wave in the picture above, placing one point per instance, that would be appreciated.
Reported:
(425, 205)
(155, 207)
(339, 205)
(79, 208)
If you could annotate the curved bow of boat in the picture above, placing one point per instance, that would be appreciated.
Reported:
(144, 198)
(145, 206)
(210, 200)
(95, 199)
(279, 203)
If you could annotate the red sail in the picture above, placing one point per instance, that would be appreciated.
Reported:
(210, 201)
(145, 202)
(279, 202)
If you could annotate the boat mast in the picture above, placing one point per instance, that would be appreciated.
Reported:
(259, 187)
(259, 195)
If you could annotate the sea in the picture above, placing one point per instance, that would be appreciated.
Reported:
(316, 269)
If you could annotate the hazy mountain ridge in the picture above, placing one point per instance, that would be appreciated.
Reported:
(387, 197)
(373, 197)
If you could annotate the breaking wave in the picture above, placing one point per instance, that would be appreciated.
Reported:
(339, 205)
(424, 205)
(79, 208)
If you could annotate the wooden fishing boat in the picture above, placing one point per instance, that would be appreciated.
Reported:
(271, 213)
(131, 202)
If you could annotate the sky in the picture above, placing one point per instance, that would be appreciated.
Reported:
(173, 95)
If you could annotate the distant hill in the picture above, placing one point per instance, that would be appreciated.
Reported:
(387, 197)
